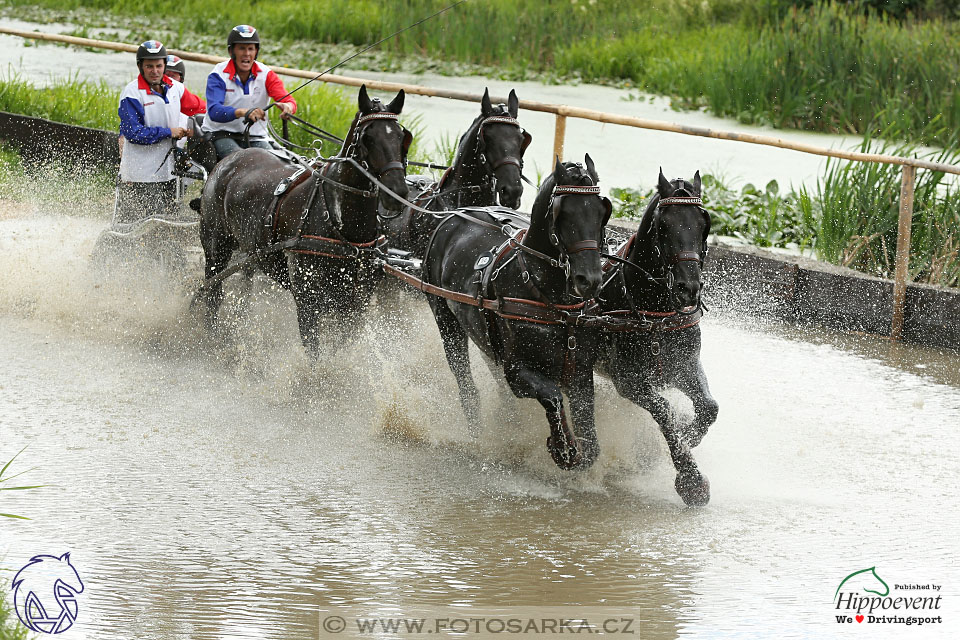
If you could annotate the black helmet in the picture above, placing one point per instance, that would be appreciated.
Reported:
(175, 63)
(243, 33)
(151, 50)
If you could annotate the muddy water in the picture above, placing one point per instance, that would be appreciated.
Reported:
(232, 489)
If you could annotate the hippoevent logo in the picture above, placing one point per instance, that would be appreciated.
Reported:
(45, 594)
(863, 597)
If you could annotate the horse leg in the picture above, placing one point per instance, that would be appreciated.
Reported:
(581, 395)
(693, 382)
(217, 251)
(275, 266)
(692, 486)
(308, 318)
(564, 446)
(456, 348)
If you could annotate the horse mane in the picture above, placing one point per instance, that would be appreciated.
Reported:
(347, 139)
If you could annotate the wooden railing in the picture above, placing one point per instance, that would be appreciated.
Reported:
(562, 112)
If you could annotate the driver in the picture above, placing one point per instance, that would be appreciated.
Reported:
(241, 88)
(150, 110)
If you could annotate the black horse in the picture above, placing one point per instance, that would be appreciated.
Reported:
(487, 165)
(652, 297)
(531, 288)
(325, 220)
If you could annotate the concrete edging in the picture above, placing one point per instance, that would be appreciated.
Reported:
(805, 291)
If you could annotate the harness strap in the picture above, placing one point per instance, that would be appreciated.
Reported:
(272, 219)
(335, 248)
(627, 320)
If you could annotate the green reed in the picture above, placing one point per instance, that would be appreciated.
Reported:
(10, 626)
(859, 213)
(826, 67)
(831, 69)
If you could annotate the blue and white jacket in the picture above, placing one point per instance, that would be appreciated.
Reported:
(226, 93)
(146, 118)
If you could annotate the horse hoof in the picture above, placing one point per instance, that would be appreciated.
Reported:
(693, 488)
(567, 456)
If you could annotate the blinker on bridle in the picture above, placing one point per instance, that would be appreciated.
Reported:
(565, 250)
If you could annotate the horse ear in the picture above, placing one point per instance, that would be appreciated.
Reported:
(486, 107)
(663, 185)
(513, 104)
(696, 183)
(363, 100)
(559, 173)
(591, 169)
(396, 105)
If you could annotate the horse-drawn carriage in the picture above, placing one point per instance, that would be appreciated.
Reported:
(542, 295)
(169, 238)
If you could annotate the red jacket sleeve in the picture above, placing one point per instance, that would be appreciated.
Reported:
(276, 91)
(191, 105)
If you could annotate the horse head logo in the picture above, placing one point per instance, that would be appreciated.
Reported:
(45, 594)
(870, 578)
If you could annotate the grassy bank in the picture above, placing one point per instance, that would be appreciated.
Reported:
(823, 66)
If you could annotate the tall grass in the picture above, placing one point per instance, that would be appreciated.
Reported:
(70, 100)
(827, 67)
(831, 69)
(10, 626)
(859, 212)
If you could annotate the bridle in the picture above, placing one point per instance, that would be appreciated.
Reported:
(668, 263)
(480, 151)
(482, 144)
(355, 149)
(555, 206)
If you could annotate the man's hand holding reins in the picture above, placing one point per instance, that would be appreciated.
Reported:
(181, 132)
(286, 110)
(251, 115)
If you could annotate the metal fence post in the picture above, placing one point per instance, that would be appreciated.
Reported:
(903, 250)
(558, 135)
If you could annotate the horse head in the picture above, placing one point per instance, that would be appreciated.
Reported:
(500, 143)
(380, 144)
(571, 214)
(674, 229)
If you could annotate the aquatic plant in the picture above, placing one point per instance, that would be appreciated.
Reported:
(10, 626)
(762, 217)
(850, 219)
(9, 488)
